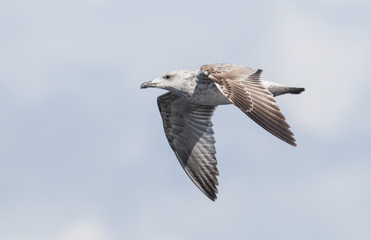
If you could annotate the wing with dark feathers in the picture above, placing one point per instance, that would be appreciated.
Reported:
(244, 88)
(188, 129)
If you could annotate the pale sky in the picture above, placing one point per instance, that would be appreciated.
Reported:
(83, 154)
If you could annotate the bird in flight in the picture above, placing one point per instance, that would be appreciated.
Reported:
(187, 109)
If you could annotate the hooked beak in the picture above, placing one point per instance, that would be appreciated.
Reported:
(148, 84)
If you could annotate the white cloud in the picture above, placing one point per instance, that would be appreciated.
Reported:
(84, 230)
(87, 229)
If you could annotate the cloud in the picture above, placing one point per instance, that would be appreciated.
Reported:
(86, 229)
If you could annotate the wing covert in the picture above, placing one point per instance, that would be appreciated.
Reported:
(244, 88)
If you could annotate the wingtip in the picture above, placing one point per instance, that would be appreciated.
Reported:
(212, 198)
(211, 195)
(291, 142)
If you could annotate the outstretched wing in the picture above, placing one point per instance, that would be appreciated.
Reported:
(243, 87)
(188, 129)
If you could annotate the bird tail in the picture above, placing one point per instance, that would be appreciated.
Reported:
(295, 90)
(277, 89)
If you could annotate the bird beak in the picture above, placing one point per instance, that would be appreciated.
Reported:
(148, 84)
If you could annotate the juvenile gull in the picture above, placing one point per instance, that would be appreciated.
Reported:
(187, 108)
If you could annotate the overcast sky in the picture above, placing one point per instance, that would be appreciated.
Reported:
(82, 150)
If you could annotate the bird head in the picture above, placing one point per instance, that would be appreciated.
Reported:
(174, 81)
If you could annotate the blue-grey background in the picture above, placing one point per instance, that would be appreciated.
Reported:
(82, 150)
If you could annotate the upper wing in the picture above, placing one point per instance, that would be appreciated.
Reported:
(243, 87)
(188, 129)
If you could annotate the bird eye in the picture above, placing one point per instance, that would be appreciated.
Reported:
(167, 77)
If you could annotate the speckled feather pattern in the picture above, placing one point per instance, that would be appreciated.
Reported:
(187, 110)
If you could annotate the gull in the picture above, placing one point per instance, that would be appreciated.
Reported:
(188, 107)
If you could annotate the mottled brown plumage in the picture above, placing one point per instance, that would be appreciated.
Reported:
(187, 110)
(244, 88)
